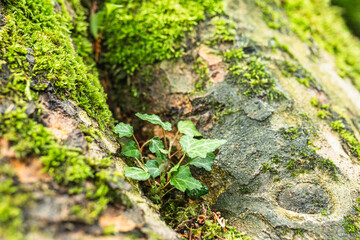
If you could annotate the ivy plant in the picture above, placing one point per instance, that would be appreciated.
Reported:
(165, 169)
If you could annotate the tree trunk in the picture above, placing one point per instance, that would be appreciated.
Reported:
(289, 168)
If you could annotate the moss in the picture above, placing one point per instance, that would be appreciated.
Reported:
(352, 221)
(272, 16)
(35, 29)
(289, 69)
(234, 55)
(143, 32)
(177, 211)
(225, 31)
(320, 22)
(291, 133)
(13, 199)
(347, 136)
(254, 76)
(276, 44)
(201, 70)
(68, 166)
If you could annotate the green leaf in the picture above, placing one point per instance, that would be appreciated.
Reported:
(94, 25)
(154, 119)
(124, 130)
(205, 163)
(182, 179)
(188, 128)
(156, 146)
(198, 192)
(131, 150)
(110, 7)
(153, 168)
(136, 173)
(173, 169)
(199, 148)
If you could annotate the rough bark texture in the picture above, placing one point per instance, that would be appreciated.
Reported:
(289, 169)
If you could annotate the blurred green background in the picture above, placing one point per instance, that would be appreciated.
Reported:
(351, 13)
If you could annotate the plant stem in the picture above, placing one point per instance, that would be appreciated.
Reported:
(137, 143)
(165, 138)
(167, 192)
(173, 154)
(182, 158)
(140, 164)
(171, 143)
(141, 149)
(164, 186)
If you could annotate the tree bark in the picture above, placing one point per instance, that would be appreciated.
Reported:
(289, 168)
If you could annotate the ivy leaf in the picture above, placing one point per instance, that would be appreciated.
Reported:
(173, 169)
(199, 148)
(136, 173)
(157, 146)
(198, 192)
(205, 163)
(182, 179)
(124, 130)
(154, 119)
(94, 25)
(188, 128)
(162, 163)
(110, 7)
(153, 168)
(131, 150)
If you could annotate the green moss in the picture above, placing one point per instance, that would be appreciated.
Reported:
(234, 55)
(143, 32)
(289, 69)
(176, 211)
(35, 28)
(254, 76)
(319, 21)
(13, 199)
(272, 16)
(352, 221)
(276, 44)
(347, 136)
(225, 31)
(268, 168)
(202, 72)
(68, 166)
(291, 133)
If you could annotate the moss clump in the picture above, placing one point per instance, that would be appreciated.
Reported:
(276, 44)
(194, 220)
(347, 136)
(68, 166)
(289, 69)
(254, 76)
(271, 15)
(202, 72)
(142, 32)
(319, 21)
(234, 55)
(352, 221)
(225, 31)
(36, 31)
(13, 199)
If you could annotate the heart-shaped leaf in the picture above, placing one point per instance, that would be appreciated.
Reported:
(182, 179)
(154, 119)
(199, 148)
(153, 168)
(157, 146)
(198, 192)
(205, 163)
(131, 150)
(124, 130)
(136, 173)
(188, 128)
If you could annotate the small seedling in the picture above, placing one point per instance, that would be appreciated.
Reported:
(165, 169)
